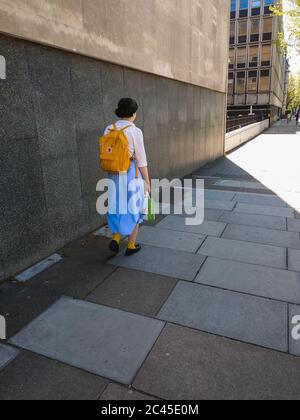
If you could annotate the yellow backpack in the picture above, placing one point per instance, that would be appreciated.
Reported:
(114, 151)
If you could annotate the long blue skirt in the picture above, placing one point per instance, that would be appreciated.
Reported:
(126, 200)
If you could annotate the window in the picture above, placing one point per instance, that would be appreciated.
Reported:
(241, 57)
(267, 29)
(244, 4)
(252, 81)
(232, 33)
(243, 29)
(253, 56)
(230, 83)
(254, 30)
(231, 58)
(233, 9)
(240, 82)
(264, 81)
(267, 4)
(266, 55)
(255, 7)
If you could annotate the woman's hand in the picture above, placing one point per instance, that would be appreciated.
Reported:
(147, 187)
(146, 178)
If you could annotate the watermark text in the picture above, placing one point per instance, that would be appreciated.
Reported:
(121, 196)
(2, 67)
(296, 327)
(2, 328)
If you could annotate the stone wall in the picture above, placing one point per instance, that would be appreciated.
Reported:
(54, 105)
(184, 40)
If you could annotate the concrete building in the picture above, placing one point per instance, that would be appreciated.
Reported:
(286, 88)
(257, 70)
(68, 63)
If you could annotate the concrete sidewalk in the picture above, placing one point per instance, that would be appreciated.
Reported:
(202, 312)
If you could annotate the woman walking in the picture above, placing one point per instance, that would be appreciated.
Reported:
(120, 222)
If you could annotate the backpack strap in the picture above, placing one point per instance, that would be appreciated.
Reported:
(136, 164)
(114, 128)
(125, 128)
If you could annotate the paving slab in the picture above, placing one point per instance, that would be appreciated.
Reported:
(212, 194)
(210, 215)
(69, 332)
(199, 366)
(294, 312)
(209, 203)
(175, 264)
(158, 218)
(219, 205)
(260, 200)
(7, 355)
(34, 378)
(265, 210)
(262, 236)
(73, 278)
(241, 317)
(134, 291)
(294, 225)
(90, 249)
(294, 259)
(219, 195)
(115, 392)
(20, 304)
(247, 252)
(268, 222)
(178, 224)
(241, 184)
(163, 238)
(252, 279)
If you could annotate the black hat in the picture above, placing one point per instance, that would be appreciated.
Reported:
(127, 107)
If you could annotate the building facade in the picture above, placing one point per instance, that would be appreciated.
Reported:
(257, 70)
(67, 65)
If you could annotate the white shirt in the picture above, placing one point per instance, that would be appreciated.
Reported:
(135, 141)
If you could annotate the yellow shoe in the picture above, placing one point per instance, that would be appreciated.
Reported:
(114, 246)
(133, 249)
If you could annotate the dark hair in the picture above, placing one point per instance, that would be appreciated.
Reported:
(127, 107)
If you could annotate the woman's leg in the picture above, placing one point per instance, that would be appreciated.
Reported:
(114, 245)
(134, 235)
(133, 248)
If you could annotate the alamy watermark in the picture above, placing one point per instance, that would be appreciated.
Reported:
(2, 67)
(119, 196)
(2, 328)
(296, 327)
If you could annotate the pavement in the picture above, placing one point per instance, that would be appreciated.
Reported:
(203, 312)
